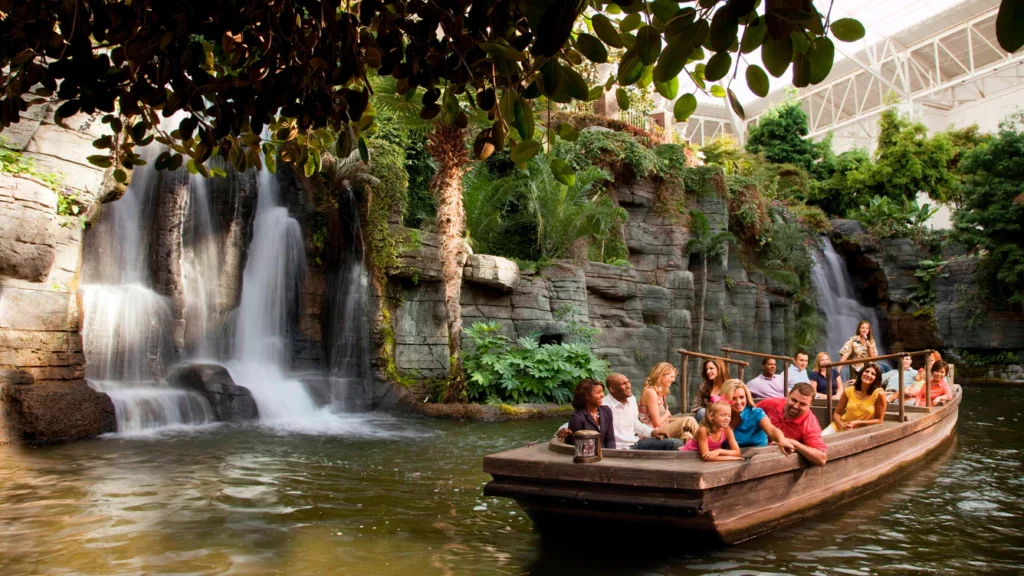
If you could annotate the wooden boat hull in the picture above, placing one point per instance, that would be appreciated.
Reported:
(729, 501)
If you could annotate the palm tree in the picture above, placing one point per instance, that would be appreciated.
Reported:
(707, 245)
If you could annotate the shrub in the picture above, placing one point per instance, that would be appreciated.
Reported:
(501, 370)
(780, 135)
(617, 152)
(886, 218)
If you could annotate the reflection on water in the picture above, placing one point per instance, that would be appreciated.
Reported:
(403, 496)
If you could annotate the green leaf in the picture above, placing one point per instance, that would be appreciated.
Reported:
(734, 102)
(121, 176)
(630, 68)
(523, 115)
(592, 48)
(501, 49)
(630, 23)
(525, 150)
(100, 161)
(646, 77)
(606, 31)
(563, 172)
(717, 91)
(648, 44)
(718, 66)
(753, 36)
(270, 161)
(567, 132)
(850, 30)
(672, 60)
(822, 54)
(595, 93)
(683, 107)
(1010, 25)
(723, 30)
(801, 70)
(555, 27)
(575, 85)
(800, 42)
(309, 168)
(664, 9)
(757, 80)
(622, 98)
(364, 152)
(668, 89)
(776, 55)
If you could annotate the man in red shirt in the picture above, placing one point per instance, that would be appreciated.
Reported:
(792, 415)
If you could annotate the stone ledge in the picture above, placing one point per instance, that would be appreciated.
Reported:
(50, 412)
(492, 271)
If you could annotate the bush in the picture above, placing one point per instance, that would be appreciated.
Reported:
(780, 135)
(617, 152)
(886, 218)
(500, 370)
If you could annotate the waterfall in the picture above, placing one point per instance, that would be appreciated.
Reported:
(200, 268)
(271, 295)
(838, 302)
(126, 327)
(348, 335)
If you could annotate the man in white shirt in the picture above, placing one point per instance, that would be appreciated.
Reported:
(798, 370)
(767, 384)
(629, 430)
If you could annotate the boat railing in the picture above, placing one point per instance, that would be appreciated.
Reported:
(786, 361)
(686, 354)
(902, 400)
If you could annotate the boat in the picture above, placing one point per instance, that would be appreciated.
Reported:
(726, 502)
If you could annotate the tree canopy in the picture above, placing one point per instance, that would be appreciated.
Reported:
(299, 67)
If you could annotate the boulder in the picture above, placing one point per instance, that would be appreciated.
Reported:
(230, 402)
(492, 271)
(28, 210)
(49, 412)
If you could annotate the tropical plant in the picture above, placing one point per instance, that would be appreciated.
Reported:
(501, 370)
(847, 187)
(907, 161)
(924, 293)
(991, 217)
(887, 218)
(706, 244)
(781, 136)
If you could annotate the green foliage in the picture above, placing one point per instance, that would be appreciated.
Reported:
(15, 163)
(886, 218)
(627, 159)
(924, 294)
(703, 241)
(529, 214)
(907, 161)
(781, 136)
(502, 370)
(847, 187)
(991, 216)
(978, 360)
(387, 165)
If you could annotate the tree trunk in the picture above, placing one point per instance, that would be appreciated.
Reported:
(703, 306)
(448, 147)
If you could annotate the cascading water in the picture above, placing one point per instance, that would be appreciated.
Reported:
(838, 302)
(200, 264)
(349, 331)
(126, 326)
(271, 290)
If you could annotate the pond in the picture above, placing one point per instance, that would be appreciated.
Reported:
(403, 495)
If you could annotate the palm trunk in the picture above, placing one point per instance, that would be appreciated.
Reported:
(447, 145)
(703, 306)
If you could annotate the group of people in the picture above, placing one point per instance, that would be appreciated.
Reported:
(729, 421)
(727, 417)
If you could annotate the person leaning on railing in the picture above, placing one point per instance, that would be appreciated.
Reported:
(940, 390)
(862, 404)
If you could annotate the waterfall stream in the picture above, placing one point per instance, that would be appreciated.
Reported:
(127, 325)
(838, 301)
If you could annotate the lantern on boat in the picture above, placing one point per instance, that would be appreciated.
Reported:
(588, 446)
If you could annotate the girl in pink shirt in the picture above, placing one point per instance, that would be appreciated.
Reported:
(714, 439)
(940, 390)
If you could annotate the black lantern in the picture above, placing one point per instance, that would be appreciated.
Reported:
(588, 446)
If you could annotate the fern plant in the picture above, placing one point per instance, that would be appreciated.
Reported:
(501, 370)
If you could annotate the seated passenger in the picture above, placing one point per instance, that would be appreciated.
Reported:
(654, 410)
(630, 432)
(891, 380)
(714, 439)
(940, 389)
(862, 404)
(826, 378)
(715, 373)
(750, 426)
(767, 384)
(801, 432)
(798, 370)
(590, 414)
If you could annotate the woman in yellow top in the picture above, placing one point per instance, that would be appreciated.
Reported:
(862, 404)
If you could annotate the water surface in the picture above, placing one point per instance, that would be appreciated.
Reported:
(403, 495)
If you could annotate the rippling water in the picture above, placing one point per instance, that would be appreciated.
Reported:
(383, 495)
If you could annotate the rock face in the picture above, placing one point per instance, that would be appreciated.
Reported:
(230, 402)
(49, 412)
(883, 272)
(28, 210)
(645, 312)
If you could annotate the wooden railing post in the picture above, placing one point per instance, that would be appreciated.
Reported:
(903, 410)
(928, 380)
(683, 384)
